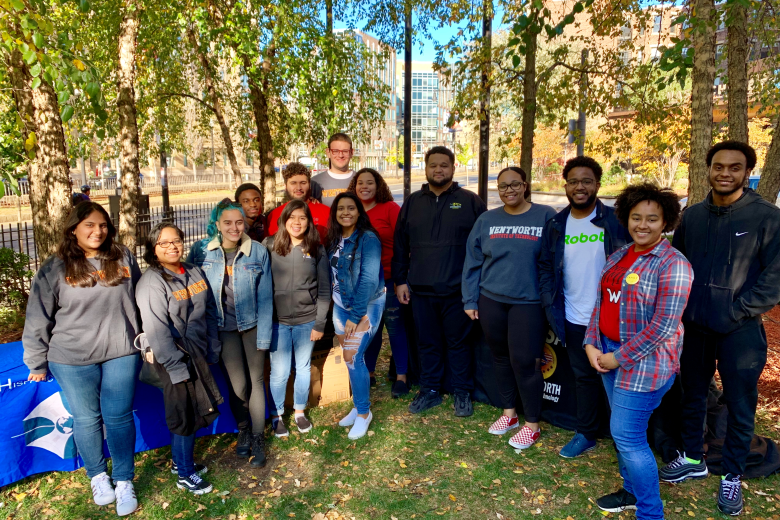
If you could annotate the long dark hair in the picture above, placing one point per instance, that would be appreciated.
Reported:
(78, 271)
(522, 174)
(150, 256)
(362, 225)
(282, 239)
(383, 193)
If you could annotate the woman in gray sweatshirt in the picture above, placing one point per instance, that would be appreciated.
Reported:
(80, 325)
(176, 304)
(301, 300)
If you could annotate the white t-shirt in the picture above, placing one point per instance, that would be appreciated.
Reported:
(336, 296)
(583, 260)
(341, 176)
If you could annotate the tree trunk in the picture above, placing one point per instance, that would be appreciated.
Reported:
(701, 99)
(128, 127)
(738, 50)
(769, 185)
(216, 104)
(529, 105)
(50, 193)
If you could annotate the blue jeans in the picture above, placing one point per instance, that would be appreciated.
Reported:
(102, 394)
(358, 344)
(396, 331)
(284, 340)
(183, 454)
(631, 412)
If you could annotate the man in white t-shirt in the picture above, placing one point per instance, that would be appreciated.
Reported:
(335, 179)
(575, 246)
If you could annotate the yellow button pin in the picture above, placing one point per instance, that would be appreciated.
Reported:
(632, 279)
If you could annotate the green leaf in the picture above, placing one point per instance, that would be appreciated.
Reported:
(101, 133)
(35, 70)
(30, 57)
(38, 40)
(93, 89)
(67, 113)
(515, 61)
(84, 6)
(36, 82)
(568, 19)
(30, 142)
(63, 96)
(578, 7)
(17, 5)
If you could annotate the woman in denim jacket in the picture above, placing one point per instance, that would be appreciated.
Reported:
(238, 270)
(355, 254)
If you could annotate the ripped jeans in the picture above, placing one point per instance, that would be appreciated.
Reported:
(356, 346)
(396, 331)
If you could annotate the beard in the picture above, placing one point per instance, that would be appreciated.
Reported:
(728, 191)
(584, 205)
(441, 183)
(305, 197)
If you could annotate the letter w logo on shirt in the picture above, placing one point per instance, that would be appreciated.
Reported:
(613, 297)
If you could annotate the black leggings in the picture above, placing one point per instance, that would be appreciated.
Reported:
(515, 334)
(244, 367)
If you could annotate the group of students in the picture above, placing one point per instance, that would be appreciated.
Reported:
(634, 311)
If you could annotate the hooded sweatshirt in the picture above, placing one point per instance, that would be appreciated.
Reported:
(79, 325)
(735, 255)
(183, 307)
(430, 239)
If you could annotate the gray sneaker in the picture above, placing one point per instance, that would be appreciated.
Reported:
(280, 430)
(303, 424)
(681, 469)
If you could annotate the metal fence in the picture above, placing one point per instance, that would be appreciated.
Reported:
(191, 218)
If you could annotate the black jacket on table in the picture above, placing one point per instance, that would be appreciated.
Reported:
(735, 254)
(551, 260)
(430, 239)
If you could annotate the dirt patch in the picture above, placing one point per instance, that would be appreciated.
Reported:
(769, 384)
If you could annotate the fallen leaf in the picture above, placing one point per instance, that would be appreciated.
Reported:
(691, 513)
(370, 433)
(252, 485)
(165, 505)
(464, 465)
(20, 496)
(345, 463)
(452, 497)
(497, 481)
(200, 507)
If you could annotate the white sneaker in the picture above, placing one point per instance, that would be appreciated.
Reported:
(361, 427)
(126, 502)
(102, 490)
(349, 420)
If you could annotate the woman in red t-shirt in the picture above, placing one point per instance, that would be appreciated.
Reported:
(382, 211)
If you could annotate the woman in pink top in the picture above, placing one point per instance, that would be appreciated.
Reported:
(382, 211)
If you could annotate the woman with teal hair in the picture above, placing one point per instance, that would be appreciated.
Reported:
(239, 272)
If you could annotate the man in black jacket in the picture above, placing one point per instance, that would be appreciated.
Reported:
(429, 251)
(732, 240)
(575, 245)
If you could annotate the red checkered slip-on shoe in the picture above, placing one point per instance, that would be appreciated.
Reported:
(525, 438)
(503, 425)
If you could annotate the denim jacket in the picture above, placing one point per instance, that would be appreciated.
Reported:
(365, 280)
(551, 260)
(252, 284)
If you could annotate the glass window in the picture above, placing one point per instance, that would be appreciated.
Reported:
(185, 159)
(657, 24)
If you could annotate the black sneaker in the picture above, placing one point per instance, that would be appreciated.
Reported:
(730, 495)
(243, 444)
(258, 451)
(399, 388)
(425, 400)
(617, 501)
(680, 469)
(463, 406)
(303, 424)
(194, 484)
(200, 469)
(372, 381)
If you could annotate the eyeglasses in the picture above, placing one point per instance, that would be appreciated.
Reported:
(572, 183)
(342, 153)
(168, 243)
(515, 185)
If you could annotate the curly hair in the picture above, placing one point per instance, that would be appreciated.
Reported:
(295, 168)
(738, 146)
(647, 191)
(383, 193)
(585, 162)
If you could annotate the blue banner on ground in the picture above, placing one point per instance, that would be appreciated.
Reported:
(37, 433)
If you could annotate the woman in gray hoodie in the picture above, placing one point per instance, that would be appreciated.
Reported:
(301, 301)
(80, 325)
(177, 306)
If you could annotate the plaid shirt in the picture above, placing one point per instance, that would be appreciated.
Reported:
(650, 311)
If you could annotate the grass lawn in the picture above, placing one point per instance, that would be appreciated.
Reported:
(429, 466)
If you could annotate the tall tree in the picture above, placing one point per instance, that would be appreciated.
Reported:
(736, 15)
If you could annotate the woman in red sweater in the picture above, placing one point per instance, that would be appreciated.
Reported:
(382, 211)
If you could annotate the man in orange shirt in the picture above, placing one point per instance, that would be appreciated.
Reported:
(297, 182)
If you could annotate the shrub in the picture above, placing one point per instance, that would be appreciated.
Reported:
(15, 276)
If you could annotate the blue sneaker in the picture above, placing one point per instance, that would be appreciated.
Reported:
(578, 445)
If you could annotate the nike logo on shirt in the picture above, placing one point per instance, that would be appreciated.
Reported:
(745, 233)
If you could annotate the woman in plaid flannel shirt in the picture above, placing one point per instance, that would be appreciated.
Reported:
(635, 337)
